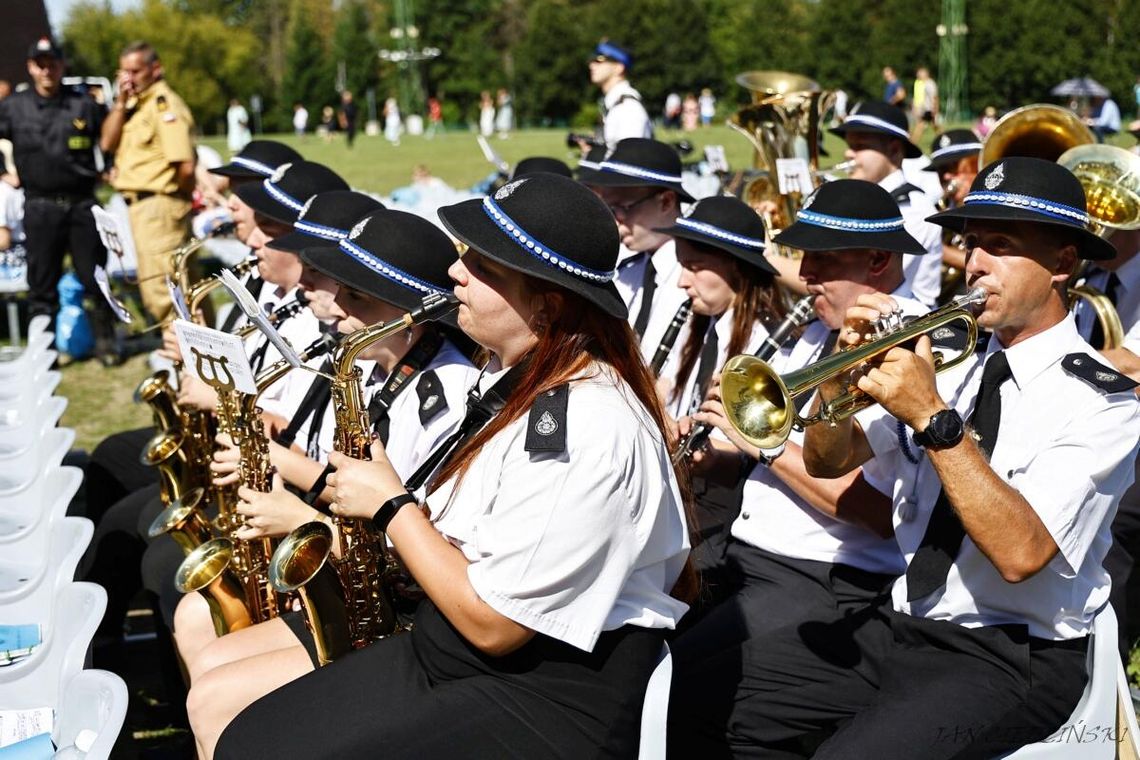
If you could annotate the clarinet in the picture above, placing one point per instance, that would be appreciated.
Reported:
(800, 315)
(670, 337)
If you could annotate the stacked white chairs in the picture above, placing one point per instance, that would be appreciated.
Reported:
(40, 549)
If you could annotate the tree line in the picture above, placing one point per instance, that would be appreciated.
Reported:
(288, 51)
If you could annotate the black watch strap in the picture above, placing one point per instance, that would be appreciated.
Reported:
(944, 430)
(389, 509)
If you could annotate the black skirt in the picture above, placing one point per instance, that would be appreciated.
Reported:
(429, 693)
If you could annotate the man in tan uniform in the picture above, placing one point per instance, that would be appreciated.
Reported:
(149, 130)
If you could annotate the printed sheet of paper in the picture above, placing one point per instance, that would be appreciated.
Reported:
(214, 357)
(253, 312)
(108, 226)
(105, 288)
(17, 725)
(795, 176)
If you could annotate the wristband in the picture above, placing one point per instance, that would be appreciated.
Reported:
(389, 509)
(767, 456)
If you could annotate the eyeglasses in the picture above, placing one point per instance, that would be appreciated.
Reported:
(625, 208)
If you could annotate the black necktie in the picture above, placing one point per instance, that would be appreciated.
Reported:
(648, 287)
(1096, 337)
(927, 571)
(709, 357)
(377, 408)
(825, 351)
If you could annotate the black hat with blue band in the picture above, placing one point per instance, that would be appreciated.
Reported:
(849, 214)
(1021, 189)
(548, 227)
(728, 224)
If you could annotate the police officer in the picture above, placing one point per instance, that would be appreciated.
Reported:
(149, 127)
(625, 115)
(54, 130)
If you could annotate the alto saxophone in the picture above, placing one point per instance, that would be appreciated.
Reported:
(347, 599)
(230, 573)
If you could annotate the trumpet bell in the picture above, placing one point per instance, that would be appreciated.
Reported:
(765, 84)
(1036, 131)
(757, 402)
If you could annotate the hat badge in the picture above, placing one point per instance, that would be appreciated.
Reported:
(505, 191)
(305, 209)
(943, 141)
(279, 173)
(44, 44)
(357, 229)
(996, 177)
(809, 200)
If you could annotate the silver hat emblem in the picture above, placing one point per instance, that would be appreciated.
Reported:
(996, 177)
(505, 191)
(430, 401)
(943, 141)
(305, 208)
(279, 173)
(546, 424)
(358, 229)
(809, 200)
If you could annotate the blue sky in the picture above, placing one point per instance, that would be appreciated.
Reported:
(58, 9)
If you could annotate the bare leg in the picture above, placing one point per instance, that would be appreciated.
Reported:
(270, 636)
(193, 629)
(219, 695)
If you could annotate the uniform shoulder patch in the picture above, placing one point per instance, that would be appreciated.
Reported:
(546, 425)
(901, 194)
(160, 103)
(433, 402)
(1093, 372)
(951, 335)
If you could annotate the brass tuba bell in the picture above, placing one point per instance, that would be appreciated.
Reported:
(1037, 131)
(1110, 177)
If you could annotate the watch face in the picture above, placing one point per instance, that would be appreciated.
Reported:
(946, 427)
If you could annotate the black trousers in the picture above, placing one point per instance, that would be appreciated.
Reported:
(55, 227)
(430, 694)
(895, 686)
(770, 592)
(1120, 562)
(115, 470)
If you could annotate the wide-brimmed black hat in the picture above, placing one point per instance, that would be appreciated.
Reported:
(1021, 189)
(282, 195)
(548, 227)
(259, 158)
(641, 162)
(874, 117)
(726, 223)
(326, 218)
(541, 164)
(590, 164)
(849, 214)
(952, 146)
(392, 255)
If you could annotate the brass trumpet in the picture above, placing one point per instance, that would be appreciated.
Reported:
(760, 404)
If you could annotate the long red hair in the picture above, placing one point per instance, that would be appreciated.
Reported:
(579, 333)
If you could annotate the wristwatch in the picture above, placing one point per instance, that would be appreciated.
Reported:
(944, 430)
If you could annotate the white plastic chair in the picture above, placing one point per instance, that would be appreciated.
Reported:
(31, 566)
(15, 395)
(19, 464)
(655, 709)
(96, 701)
(39, 325)
(25, 515)
(17, 427)
(38, 680)
(29, 360)
(1095, 715)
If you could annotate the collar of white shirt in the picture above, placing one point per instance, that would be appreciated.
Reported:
(618, 91)
(1035, 354)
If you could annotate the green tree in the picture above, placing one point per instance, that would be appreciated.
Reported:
(308, 77)
(353, 46)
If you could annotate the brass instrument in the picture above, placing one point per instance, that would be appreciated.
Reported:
(202, 288)
(782, 122)
(347, 599)
(232, 573)
(158, 393)
(1038, 131)
(760, 404)
(1110, 177)
(953, 278)
(802, 313)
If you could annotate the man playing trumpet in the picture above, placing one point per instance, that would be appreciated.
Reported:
(1006, 472)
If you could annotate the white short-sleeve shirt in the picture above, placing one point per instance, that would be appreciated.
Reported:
(773, 517)
(923, 272)
(667, 298)
(625, 115)
(300, 330)
(1067, 447)
(573, 543)
(1127, 297)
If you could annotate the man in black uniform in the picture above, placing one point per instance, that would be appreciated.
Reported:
(54, 131)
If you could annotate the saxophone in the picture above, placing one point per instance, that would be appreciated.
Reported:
(230, 573)
(347, 599)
